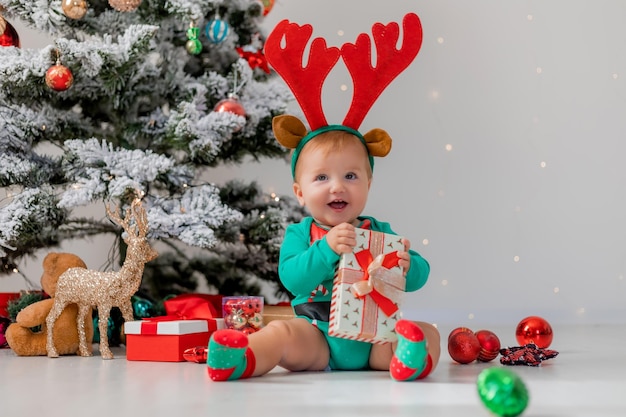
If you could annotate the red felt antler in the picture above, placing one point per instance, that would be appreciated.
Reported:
(370, 82)
(305, 82)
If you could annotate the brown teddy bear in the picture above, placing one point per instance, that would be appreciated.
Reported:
(19, 335)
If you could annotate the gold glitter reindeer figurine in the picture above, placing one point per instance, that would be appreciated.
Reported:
(105, 290)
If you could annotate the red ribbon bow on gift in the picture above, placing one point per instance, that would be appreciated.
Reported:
(191, 307)
(385, 286)
(183, 307)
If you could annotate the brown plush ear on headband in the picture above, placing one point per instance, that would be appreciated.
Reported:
(378, 142)
(289, 130)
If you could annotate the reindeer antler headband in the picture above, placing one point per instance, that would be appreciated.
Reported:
(369, 82)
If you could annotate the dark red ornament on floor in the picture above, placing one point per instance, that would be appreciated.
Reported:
(457, 330)
(463, 347)
(535, 330)
(489, 345)
(529, 355)
(59, 77)
(8, 34)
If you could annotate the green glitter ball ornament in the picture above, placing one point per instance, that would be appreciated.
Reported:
(194, 46)
(502, 392)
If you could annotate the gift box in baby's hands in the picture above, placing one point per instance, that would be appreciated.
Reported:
(165, 340)
(368, 289)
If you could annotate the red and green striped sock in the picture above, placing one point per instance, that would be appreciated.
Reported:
(229, 357)
(411, 359)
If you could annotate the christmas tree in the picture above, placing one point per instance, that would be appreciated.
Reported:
(143, 97)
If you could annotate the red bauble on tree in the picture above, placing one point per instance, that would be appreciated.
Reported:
(267, 5)
(489, 345)
(59, 77)
(8, 34)
(463, 346)
(535, 330)
(231, 105)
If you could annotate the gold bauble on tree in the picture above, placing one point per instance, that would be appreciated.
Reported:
(74, 9)
(125, 5)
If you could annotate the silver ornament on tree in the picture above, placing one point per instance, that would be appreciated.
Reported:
(125, 5)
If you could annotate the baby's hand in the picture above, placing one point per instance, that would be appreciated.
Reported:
(341, 238)
(405, 259)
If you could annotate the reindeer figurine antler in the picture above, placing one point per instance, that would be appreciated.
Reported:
(105, 290)
(369, 81)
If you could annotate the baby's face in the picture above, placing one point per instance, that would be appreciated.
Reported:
(333, 186)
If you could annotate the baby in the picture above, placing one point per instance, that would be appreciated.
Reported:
(332, 178)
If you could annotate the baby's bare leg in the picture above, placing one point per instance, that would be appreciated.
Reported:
(434, 341)
(293, 344)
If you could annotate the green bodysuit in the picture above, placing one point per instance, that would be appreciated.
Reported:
(306, 268)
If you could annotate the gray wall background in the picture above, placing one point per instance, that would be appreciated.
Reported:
(507, 170)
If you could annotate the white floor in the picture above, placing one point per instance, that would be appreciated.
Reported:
(588, 378)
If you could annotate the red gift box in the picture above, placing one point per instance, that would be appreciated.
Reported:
(5, 298)
(368, 289)
(166, 340)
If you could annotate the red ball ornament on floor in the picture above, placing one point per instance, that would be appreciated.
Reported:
(8, 34)
(457, 330)
(463, 347)
(59, 77)
(489, 345)
(536, 330)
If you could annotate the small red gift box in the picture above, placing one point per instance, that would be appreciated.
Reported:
(368, 289)
(5, 298)
(166, 340)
